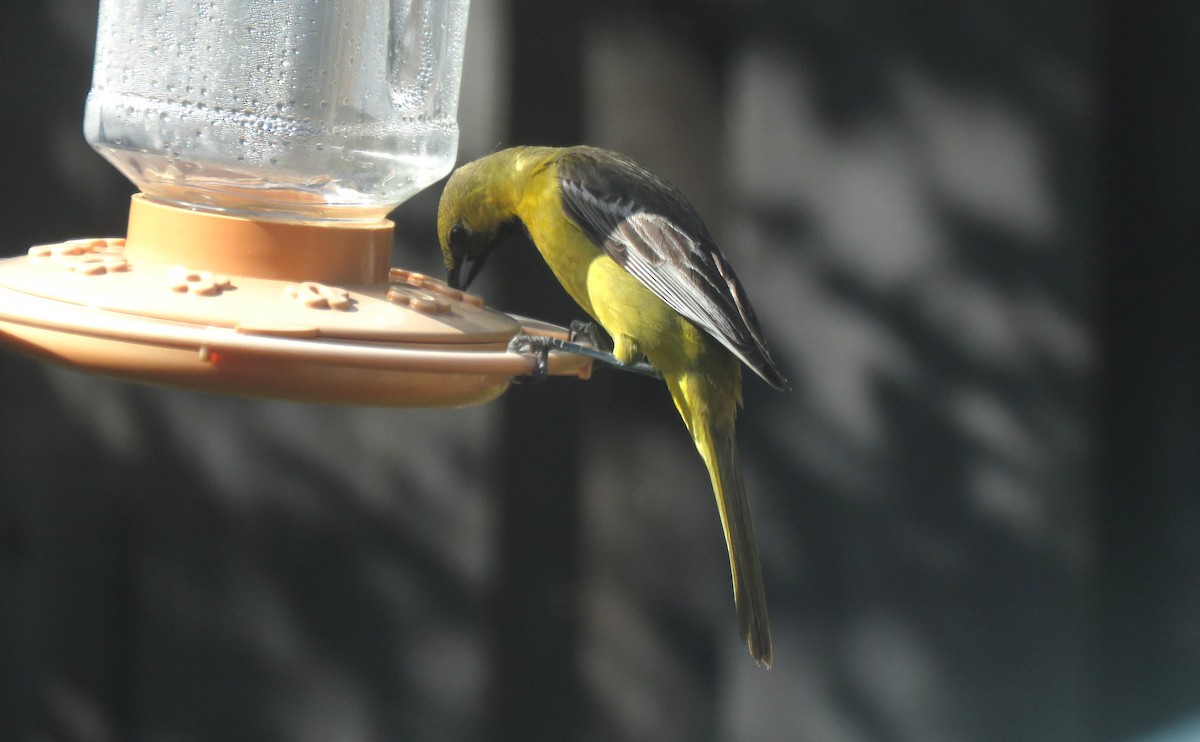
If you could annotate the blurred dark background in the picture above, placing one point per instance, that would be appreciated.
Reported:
(970, 231)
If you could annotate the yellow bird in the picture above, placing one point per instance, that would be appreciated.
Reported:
(635, 255)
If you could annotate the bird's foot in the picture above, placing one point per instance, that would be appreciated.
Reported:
(541, 345)
(585, 339)
(588, 332)
(637, 367)
(538, 345)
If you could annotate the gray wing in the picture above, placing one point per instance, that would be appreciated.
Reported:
(650, 230)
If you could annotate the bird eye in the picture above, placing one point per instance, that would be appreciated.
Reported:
(459, 236)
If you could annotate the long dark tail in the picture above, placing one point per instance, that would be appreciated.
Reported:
(719, 450)
(708, 405)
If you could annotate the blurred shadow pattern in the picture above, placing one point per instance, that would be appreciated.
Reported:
(968, 232)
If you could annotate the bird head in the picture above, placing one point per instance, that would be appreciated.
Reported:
(475, 214)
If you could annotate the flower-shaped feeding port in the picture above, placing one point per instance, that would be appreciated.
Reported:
(319, 296)
(181, 280)
(86, 257)
(257, 257)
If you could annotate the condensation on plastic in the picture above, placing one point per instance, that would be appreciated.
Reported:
(293, 109)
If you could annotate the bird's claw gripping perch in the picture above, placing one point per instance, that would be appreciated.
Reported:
(588, 332)
(541, 345)
(593, 341)
(537, 345)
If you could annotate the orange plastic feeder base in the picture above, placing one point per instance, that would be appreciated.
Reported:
(284, 251)
(301, 311)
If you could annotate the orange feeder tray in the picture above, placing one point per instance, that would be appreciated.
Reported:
(301, 311)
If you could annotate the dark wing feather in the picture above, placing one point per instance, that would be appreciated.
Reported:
(649, 229)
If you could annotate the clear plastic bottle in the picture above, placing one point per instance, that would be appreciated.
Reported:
(283, 109)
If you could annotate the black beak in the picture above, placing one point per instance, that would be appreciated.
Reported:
(473, 266)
